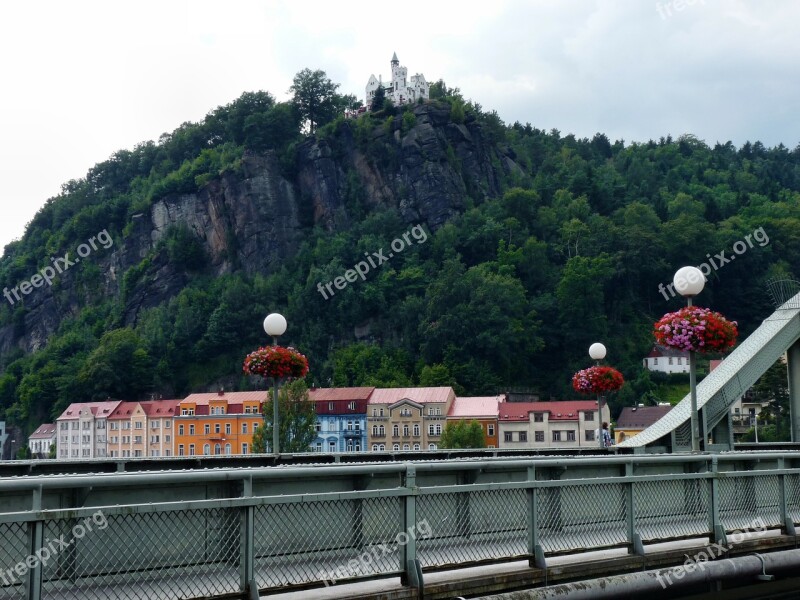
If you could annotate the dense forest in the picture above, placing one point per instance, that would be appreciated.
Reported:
(569, 246)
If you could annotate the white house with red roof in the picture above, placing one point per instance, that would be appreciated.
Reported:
(666, 360)
(41, 440)
(82, 430)
(407, 418)
(556, 424)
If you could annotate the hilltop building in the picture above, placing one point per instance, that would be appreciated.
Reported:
(667, 360)
(401, 89)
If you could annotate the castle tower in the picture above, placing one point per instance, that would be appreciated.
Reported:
(398, 92)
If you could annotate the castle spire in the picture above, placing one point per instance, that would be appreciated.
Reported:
(395, 61)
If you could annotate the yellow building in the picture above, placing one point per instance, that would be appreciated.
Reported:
(634, 419)
(407, 418)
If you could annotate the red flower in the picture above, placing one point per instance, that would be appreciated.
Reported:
(698, 329)
(276, 362)
(597, 380)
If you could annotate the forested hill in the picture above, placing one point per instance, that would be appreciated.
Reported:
(489, 256)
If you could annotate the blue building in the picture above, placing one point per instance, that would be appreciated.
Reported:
(341, 418)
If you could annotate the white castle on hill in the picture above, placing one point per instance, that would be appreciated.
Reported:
(400, 90)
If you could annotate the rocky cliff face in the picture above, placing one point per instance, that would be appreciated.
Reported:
(253, 221)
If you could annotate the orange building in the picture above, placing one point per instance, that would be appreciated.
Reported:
(140, 429)
(218, 423)
(482, 409)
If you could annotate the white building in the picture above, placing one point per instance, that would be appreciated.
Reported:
(562, 424)
(82, 430)
(667, 360)
(401, 89)
(41, 440)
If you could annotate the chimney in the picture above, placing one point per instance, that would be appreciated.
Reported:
(221, 392)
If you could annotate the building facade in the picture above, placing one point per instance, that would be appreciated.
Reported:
(218, 423)
(559, 424)
(41, 440)
(341, 418)
(407, 418)
(483, 409)
(634, 419)
(83, 430)
(667, 360)
(401, 89)
(141, 429)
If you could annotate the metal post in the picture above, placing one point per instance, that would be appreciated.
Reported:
(600, 420)
(693, 392)
(275, 423)
(793, 371)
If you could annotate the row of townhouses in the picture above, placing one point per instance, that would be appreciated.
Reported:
(359, 419)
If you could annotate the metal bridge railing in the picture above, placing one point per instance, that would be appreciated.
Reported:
(204, 548)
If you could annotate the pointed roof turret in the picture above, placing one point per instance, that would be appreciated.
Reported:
(394, 58)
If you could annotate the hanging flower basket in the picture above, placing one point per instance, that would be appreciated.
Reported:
(597, 380)
(698, 329)
(276, 362)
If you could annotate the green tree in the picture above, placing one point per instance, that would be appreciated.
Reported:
(460, 434)
(377, 99)
(119, 367)
(297, 419)
(315, 97)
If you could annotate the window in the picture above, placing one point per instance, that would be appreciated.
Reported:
(153, 452)
(207, 428)
(139, 425)
(669, 360)
(523, 436)
(155, 424)
(206, 449)
(416, 430)
(244, 428)
(538, 417)
(406, 447)
(191, 449)
(318, 426)
(405, 430)
(438, 430)
(588, 415)
(431, 446)
(167, 424)
(381, 412)
(138, 453)
(137, 439)
(416, 446)
(330, 405)
(216, 428)
(374, 447)
(217, 449)
(571, 436)
(490, 429)
(538, 436)
(180, 429)
(167, 452)
(396, 447)
(374, 430)
(395, 430)
(430, 429)
(191, 429)
(180, 449)
(374, 412)
(358, 446)
(507, 436)
(332, 446)
(655, 361)
(227, 428)
(154, 439)
(590, 436)
(255, 426)
(556, 436)
(228, 449)
(113, 426)
(381, 431)
(244, 448)
(381, 447)
(351, 405)
(679, 360)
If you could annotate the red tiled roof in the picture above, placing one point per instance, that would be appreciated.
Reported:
(475, 406)
(44, 431)
(559, 410)
(346, 393)
(99, 409)
(664, 351)
(633, 417)
(160, 408)
(232, 397)
(420, 395)
(123, 411)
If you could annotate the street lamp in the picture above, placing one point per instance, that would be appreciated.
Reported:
(689, 281)
(597, 352)
(275, 326)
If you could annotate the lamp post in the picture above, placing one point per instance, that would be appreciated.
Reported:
(597, 352)
(275, 326)
(690, 281)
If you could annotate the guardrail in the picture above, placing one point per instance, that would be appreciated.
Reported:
(273, 528)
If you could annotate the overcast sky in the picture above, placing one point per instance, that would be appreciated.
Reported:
(82, 79)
